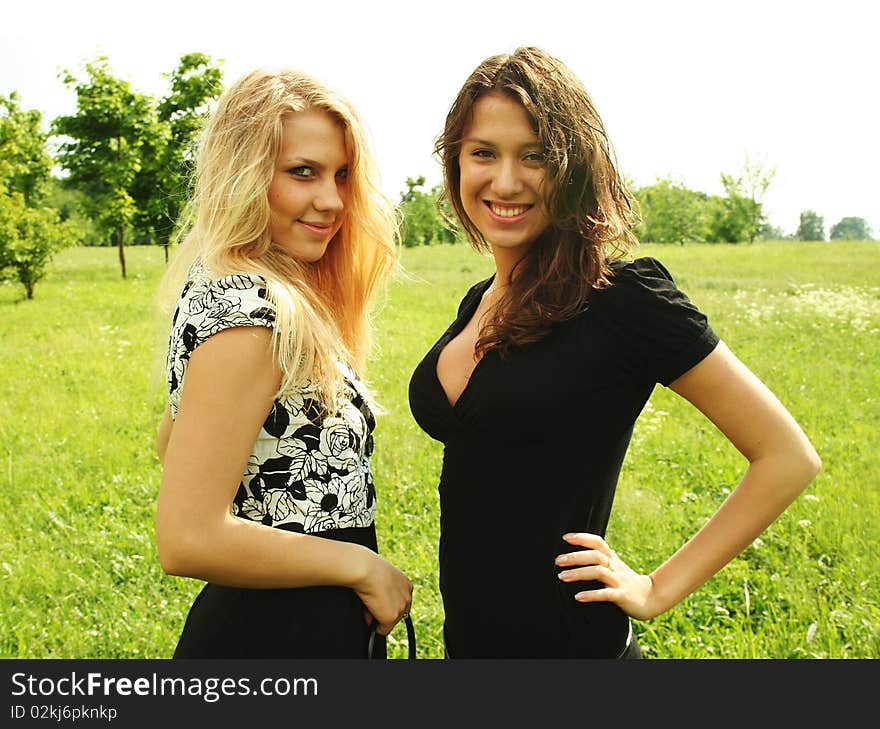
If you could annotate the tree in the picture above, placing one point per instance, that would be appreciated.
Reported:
(754, 182)
(151, 187)
(161, 187)
(423, 221)
(26, 163)
(771, 232)
(30, 232)
(194, 83)
(102, 152)
(70, 205)
(29, 237)
(851, 229)
(671, 213)
(744, 207)
(812, 226)
(724, 219)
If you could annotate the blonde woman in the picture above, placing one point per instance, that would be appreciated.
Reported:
(266, 487)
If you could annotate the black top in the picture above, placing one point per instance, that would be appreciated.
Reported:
(533, 450)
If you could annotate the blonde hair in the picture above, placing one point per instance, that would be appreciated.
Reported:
(322, 308)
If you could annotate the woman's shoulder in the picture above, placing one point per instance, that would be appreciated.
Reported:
(474, 292)
(644, 300)
(200, 273)
(639, 282)
(661, 329)
(230, 299)
(640, 272)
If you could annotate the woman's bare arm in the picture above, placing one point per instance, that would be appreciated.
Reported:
(164, 434)
(782, 462)
(229, 389)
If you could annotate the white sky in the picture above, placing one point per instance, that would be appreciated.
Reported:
(686, 89)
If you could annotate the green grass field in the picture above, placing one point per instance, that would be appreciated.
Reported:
(81, 392)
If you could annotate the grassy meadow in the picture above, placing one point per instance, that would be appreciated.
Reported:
(82, 390)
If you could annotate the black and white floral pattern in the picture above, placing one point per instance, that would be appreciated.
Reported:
(309, 470)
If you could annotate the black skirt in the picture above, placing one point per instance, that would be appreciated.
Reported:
(303, 622)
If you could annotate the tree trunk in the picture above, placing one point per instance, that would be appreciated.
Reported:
(120, 240)
(121, 235)
(166, 252)
(29, 287)
(753, 228)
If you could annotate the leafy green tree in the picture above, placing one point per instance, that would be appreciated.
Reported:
(743, 204)
(195, 82)
(70, 204)
(720, 223)
(29, 237)
(754, 182)
(151, 188)
(851, 229)
(811, 227)
(25, 163)
(733, 225)
(103, 147)
(30, 232)
(423, 216)
(160, 189)
(671, 213)
(768, 231)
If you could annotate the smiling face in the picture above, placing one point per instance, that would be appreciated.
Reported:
(503, 174)
(308, 190)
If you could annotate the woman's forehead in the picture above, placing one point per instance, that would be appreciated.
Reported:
(498, 115)
(316, 135)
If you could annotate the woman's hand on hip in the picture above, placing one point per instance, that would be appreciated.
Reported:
(630, 591)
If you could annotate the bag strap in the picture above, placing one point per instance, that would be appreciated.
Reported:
(410, 638)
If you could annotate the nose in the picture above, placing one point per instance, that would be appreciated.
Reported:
(507, 182)
(328, 199)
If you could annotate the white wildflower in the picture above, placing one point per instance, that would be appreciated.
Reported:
(811, 632)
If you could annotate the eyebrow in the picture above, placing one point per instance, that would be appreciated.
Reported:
(306, 162)
(485, 143)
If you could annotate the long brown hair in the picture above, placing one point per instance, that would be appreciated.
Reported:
(591, 210)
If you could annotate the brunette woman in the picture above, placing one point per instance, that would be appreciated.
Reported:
(535, 387)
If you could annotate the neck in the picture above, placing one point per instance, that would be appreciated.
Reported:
(505, 261)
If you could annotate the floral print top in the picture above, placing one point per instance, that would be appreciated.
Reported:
(309, 471)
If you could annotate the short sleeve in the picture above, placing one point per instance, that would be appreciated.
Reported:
(662, 334)
(212, 305)
(209, 305)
